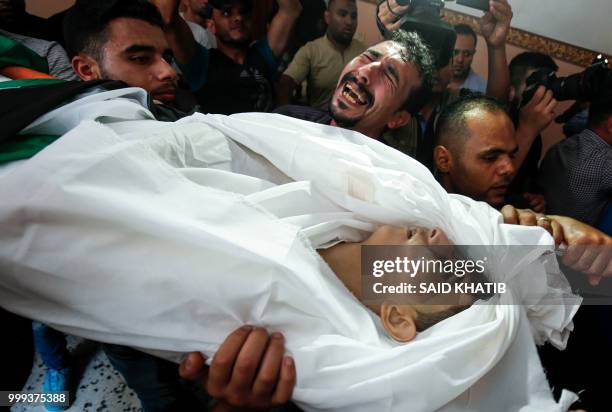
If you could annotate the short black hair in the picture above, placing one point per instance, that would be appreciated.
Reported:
(522, 63)
(600, 111)
(425, 320)
(466, 30)
(329, 3)
(85, 24)
(415, 51)
(450, 130)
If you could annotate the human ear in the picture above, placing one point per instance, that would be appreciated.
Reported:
(399, 321)
(399, 119)
(86, 68)
(327, 17)
(443, 159)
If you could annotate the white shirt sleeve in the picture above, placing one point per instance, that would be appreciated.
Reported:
(203, 36)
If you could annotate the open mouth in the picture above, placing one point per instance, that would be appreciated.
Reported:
(355, 94)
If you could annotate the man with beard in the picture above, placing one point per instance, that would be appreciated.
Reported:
(416, 139)
(236, 76)
(475, 149)
(124, 40)
(465, 48)
(380, 89)
(530, 119)
(321, 61)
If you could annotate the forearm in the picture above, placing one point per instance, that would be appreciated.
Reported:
(177, 32)
(525, 136)
(284, 90)
(498, 85)
(282, 25)
(181, 40)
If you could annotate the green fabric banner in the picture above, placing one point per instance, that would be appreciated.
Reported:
(15, 54)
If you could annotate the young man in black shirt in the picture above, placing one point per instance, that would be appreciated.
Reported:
(237, 76)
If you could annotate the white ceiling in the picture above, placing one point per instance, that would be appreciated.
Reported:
(584, 23)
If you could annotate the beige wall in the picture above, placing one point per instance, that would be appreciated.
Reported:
(46, 8)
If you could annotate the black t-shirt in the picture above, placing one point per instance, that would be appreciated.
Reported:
(33, 26)
(229, 87)
(305, 113)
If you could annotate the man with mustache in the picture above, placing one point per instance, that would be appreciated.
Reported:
(475, 149)
(124, 40)
(464, 77)
(378, 90)
(416, 139)
(321, 61)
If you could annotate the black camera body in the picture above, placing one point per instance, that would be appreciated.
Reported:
(592, 84)
(424, 18)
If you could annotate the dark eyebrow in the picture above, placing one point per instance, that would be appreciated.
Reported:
(497, 152)
(134, 48)
(374, 53)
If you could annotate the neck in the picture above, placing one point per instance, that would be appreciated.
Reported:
(446, 182)
(374, 133)
(237, 54)
(462, 78)
(337, 45)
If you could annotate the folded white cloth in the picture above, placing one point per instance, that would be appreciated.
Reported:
(169, 236)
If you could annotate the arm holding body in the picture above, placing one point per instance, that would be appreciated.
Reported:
(595, 261)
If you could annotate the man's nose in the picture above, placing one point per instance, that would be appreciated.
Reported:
(506, 166)
(238, 17)
(366, 72)
(165, 71)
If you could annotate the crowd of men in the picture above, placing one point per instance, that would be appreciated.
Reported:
(201, 55)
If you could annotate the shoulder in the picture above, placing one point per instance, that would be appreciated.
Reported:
(304, 113)
(358, 45)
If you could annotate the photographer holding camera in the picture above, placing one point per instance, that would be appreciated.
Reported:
(576, 174)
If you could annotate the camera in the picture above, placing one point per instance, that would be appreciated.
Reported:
(594, 83)
(424, 18)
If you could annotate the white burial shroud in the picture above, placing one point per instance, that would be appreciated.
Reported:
(168, 236)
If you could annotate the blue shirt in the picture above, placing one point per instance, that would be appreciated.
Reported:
(475, 82)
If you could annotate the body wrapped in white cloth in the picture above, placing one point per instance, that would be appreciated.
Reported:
(167, 237)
